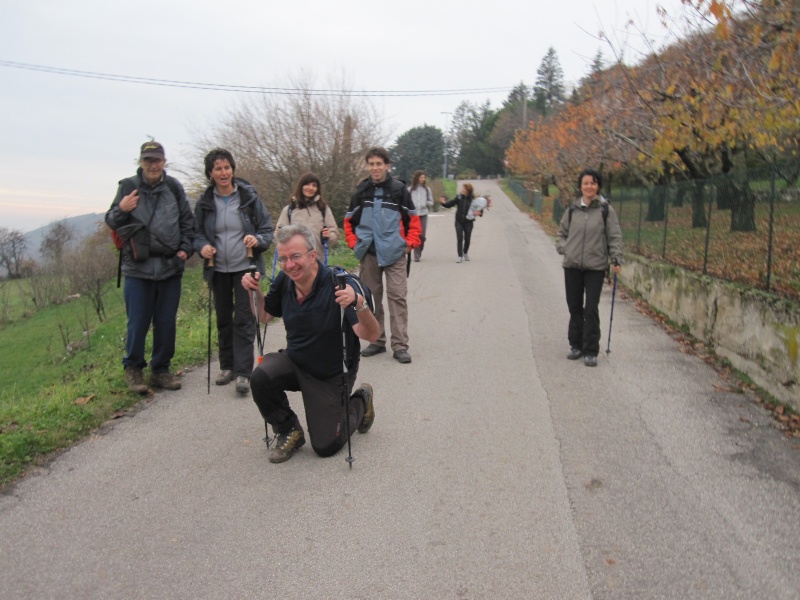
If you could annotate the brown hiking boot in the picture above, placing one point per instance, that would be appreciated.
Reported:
(286, 444)
(135, 380)
(165, 380)
(369, 408)
(225, 376)
(242, 385)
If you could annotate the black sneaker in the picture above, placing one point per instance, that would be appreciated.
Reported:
(286, 444)
(372, 350)
(590, 360)
(369, 409)
(574, 354)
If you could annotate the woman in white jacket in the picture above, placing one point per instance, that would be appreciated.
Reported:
(423, 199)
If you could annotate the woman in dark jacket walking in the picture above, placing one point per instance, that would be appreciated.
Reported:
(233, 231)
(588, 237)
(464, 225)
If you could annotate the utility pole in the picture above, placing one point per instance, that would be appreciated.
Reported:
(444, 139)
(524, 107)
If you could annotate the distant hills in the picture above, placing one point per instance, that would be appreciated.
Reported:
(82, 226)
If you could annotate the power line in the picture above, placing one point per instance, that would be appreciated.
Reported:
(220, 87)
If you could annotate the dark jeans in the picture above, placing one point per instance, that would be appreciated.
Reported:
(236, 324)
(322, 399)
(584, 318)
(463, 236)
(148, 301)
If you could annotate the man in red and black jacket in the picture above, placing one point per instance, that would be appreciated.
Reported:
(382, 226)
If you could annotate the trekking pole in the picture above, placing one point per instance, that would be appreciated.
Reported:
(274, 262)
(345, 395)
(254, 272)
(611, 320)
(210, 266)
(325, 246)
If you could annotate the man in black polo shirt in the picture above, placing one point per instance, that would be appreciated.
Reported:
(309, 301)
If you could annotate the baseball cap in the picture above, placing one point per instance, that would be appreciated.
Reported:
(152, 150)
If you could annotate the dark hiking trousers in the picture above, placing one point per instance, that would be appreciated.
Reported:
(463, 236)
(584, 315)
(322, 399)
(236, 325)
(151, 301)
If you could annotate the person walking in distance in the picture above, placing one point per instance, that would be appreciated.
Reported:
(233, 232)
(464, 224)
(588, 238)
(382, 227)
(422, 196)
(315, 312)
(154, 205)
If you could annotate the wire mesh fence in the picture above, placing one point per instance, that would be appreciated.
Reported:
(742, 227)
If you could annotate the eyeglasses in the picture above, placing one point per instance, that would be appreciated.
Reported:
(282, 260)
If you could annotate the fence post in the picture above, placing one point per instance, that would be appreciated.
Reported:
(666, 226)
(708, 232)
(639, 226)
(771, 219)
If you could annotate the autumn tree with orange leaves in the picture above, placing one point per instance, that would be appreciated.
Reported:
(692, 111)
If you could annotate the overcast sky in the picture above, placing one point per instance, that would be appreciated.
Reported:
(67, 140)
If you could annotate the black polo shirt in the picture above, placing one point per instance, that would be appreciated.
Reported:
(313, 326)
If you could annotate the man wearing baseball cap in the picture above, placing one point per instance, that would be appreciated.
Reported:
(151, 214)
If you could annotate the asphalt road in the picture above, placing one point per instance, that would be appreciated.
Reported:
(495, 469)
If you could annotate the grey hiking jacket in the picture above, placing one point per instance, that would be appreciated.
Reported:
(586, 240)
(164, 209)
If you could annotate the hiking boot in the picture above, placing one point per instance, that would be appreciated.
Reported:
(286, 444)
(402, 356)
(369, 409)
(590, 360)
(466, 257)
(165, 380)
(134, 379)
(225, 376)
(242, 384)
(574, 354)
(372, 350)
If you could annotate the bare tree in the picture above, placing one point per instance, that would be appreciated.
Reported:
(55, 242)
(91, 271)
(276, 138)
(12, 251)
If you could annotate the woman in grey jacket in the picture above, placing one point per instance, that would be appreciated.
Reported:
(422, 196)
(589, 236)
(233, 231)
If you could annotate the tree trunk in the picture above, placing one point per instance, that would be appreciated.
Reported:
(698, 204)
(656, 203)
(743, 209)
